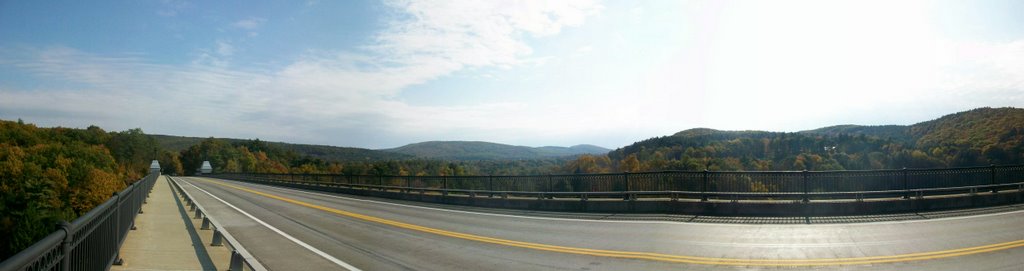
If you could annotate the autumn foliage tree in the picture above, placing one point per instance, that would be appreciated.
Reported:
(53, 174)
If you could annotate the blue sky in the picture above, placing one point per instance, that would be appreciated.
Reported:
(383, 74)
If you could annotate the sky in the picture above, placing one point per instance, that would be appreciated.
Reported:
(382, 74)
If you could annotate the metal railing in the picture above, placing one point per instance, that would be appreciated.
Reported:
(90, 242)
(239, 255)
(700, 185)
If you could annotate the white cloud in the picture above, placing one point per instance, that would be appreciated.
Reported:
(772, 76)
(250, 23)
(793, 65)
(225, 49)
(315, 98)
(438, 37)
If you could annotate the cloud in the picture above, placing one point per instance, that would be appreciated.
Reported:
(317, 97)
(984, 66)
(439, 37)
(171, 8)
(251, 23)
(354, 97)
(224, 48)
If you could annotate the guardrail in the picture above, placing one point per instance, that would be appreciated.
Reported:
(90, 242)
(239, 255)
(705, 185)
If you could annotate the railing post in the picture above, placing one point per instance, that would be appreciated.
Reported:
(550, 188)
(806, 199)
(625, 177)
(218, 238)
(629, 187)
(65, 246)
(236, 261)
(906, 185)
(704, 186)
(992, 171)
(490, 183)
(549, 184)
(117, 229)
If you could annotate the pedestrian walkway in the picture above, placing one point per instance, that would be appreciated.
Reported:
(167, 238)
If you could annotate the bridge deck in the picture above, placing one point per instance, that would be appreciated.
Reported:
(167, 238)
(303, 230)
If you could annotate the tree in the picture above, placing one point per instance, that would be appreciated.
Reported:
(589, 164)
(170, 164)
(630, 164)
(51, 174)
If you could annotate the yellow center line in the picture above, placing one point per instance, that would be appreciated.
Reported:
(654, 256)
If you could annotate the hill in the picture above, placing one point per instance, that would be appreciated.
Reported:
(570, 151)
(978, 129)
(479, 150)
(895, 132)
(327, 153)
(971, 138)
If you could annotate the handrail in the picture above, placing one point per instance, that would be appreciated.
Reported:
(644, 172)
(694, 194)
(702, 185)
(90, 242)
(239, 254)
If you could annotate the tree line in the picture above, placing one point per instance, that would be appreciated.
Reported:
(255, 156)
(53, 174)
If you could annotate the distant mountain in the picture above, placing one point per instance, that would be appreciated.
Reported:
(449, 150)
(895, 132)
(970, 138)
(479, 150)
(570, 151)
(180, 143)
(327, 153)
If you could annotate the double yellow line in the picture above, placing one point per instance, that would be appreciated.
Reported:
(654, 256)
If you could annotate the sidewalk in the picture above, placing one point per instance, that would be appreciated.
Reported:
(167, 238)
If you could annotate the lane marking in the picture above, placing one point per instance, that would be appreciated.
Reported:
(653, 256)
(629, 221)
(287, 236)
(764, 245)
(471, 212)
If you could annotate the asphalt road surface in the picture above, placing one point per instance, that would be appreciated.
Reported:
(288, 229)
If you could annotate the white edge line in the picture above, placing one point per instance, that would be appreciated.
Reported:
(626, 221)
(289, 237)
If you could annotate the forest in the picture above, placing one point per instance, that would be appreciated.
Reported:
(257, 156)
(977, 137)
(53, 174)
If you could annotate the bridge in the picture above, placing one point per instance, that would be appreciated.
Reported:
(943, 219)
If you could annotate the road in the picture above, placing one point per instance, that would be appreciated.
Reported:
(289, 229)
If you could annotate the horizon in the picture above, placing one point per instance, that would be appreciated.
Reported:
(536, 146)
(380, 75)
